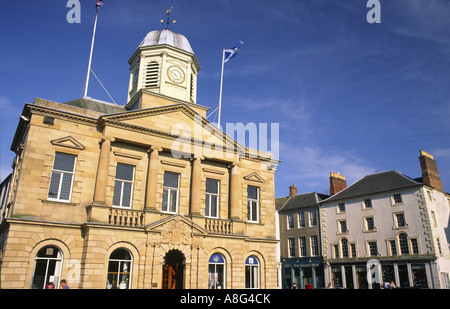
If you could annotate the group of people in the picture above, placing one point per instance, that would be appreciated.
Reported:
(62, 283)
(389, 285)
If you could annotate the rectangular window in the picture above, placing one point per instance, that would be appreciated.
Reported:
(353, 246)
(62, 177)
(342, 226)
(212, 198)
(400, 218)
(397, 198)
(393, 247)
(368, 203)
(302, 242)
(370, 226)
(312, 218)
(336, 251)
(291, 247)
(415, 246)
(301, 220)
(170, 192)
(123, 186)
(252, 203)
(314, 246)
(373, 249)
(290, 221)
(341, 207)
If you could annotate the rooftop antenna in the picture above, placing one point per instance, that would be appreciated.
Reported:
(168, 18)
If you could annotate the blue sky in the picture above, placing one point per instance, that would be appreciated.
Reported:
(349, 96)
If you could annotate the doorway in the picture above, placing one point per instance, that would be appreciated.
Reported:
(173, 270)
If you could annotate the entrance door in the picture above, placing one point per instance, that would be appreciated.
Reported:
(169, 277)
(173, 270)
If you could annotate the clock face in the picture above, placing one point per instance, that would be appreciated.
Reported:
(175, 74)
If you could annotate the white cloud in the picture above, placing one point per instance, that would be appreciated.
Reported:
(311, 166)
(424, 19)
(4, 102)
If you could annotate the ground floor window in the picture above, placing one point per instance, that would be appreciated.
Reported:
(216, 271)
(251, 273)
(119, 270)
(47, 268)
(419, 275)
(336, 276)
(388, 274)
(393, 274)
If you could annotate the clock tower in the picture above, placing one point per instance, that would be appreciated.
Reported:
(163, 69)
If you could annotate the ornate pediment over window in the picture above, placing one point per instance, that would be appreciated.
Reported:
(254, 177)
(68, 142)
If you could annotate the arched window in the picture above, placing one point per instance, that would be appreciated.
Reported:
(403, 241)
(119, 269)
(47, 268)
(252, 272)
(216, 271)
(344, 244)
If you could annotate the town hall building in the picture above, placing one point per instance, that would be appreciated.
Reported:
(145, 195)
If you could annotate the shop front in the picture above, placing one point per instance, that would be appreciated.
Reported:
(302, 273)
(399, 274)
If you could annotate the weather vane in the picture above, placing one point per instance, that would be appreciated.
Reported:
(168, 18)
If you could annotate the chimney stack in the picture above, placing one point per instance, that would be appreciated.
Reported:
(292, 190)
(337, 183)
(430, 173)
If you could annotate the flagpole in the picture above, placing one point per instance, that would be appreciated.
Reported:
(90, 56)
(221, 84)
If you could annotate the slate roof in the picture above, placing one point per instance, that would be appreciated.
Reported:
(375, 183)
(299, 201)
(96, 105)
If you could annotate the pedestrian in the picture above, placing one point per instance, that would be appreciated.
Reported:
(387, 285)
(392, 285)
(64, 285)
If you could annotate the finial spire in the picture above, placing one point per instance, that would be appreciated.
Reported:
(168, 18)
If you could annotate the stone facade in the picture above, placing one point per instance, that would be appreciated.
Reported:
(82, 234)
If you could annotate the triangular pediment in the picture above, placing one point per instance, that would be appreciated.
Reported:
(177, 121)
(174, 227)
(69, 142)
(254, 177)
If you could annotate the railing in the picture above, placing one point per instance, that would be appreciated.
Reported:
(219, 226)
(126, 217)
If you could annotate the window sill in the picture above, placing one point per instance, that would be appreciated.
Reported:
(342, 233)
(57, 202)
(400, 227)
(370, 231)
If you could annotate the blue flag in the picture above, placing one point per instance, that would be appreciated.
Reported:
(232, 52)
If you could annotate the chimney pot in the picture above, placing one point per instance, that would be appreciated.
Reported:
(337, 183)
(430, 173)
(292, 190)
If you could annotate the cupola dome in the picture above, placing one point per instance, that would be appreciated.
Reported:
(166, 37)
